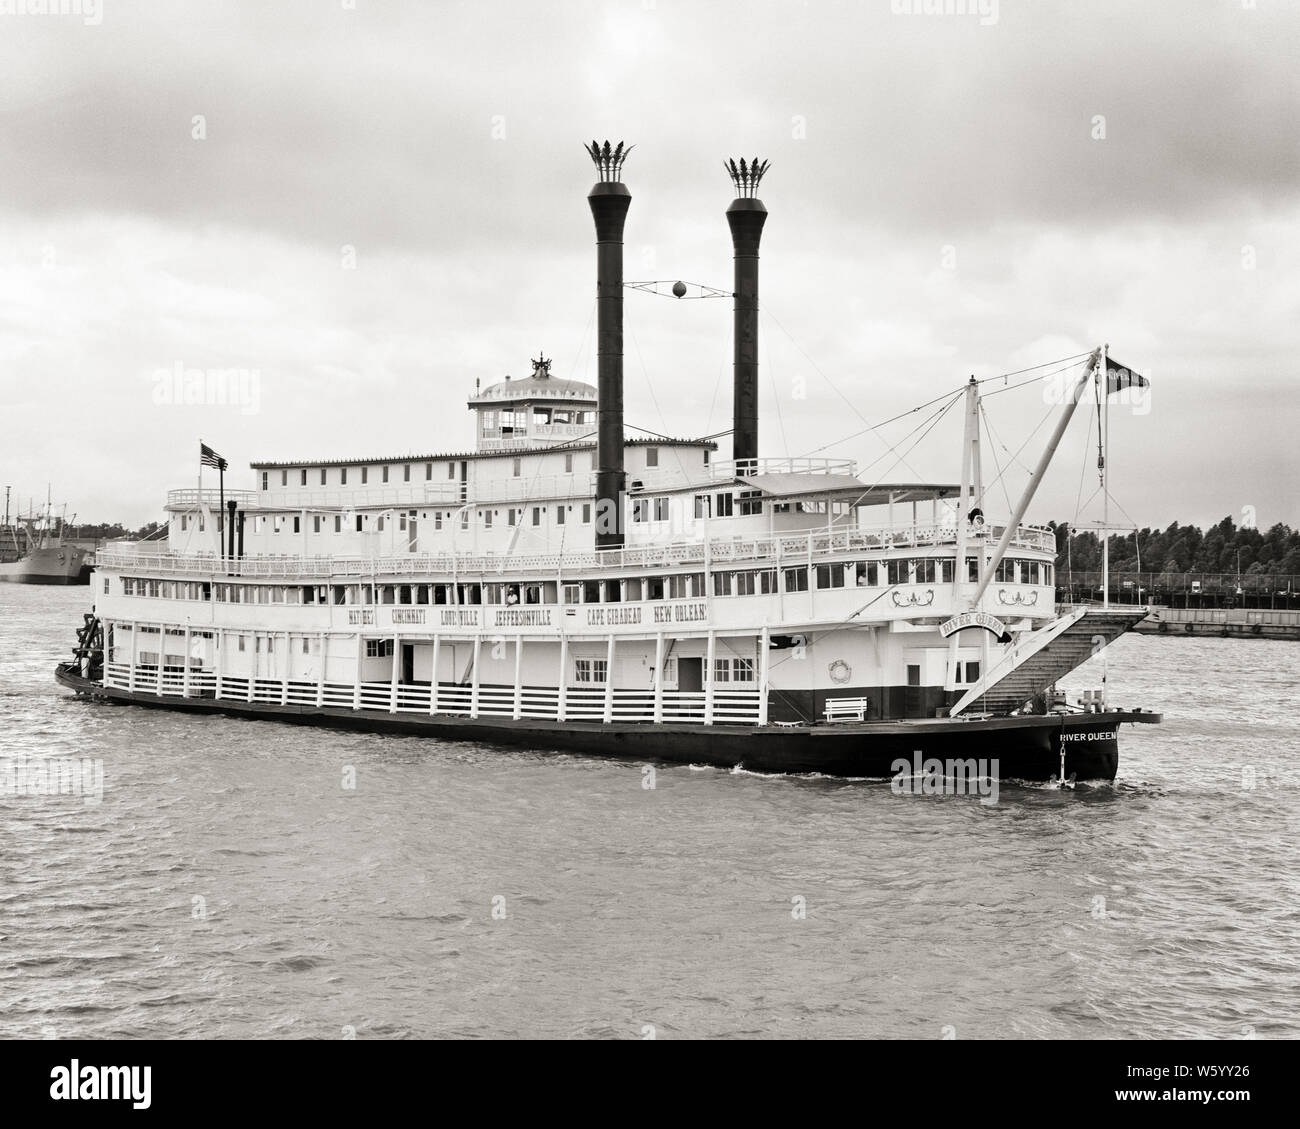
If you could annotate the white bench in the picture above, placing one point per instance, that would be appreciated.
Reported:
(843, 708)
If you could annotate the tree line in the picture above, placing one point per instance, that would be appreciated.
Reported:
(1223, 548)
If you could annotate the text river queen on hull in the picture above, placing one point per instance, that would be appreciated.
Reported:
(631, 597)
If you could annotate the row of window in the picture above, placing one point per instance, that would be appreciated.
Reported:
(304, 475)
(691, 585)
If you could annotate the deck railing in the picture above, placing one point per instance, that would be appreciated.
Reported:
(736, 707)
(784, 549)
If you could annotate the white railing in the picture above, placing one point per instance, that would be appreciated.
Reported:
(784, 549)
(740, 707)
(191, 497)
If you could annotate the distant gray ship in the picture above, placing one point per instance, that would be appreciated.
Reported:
(33, 551)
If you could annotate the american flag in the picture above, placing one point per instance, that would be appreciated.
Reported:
(209, 457)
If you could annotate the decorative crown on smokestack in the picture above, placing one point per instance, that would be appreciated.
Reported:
(746, 176)
(608, 161)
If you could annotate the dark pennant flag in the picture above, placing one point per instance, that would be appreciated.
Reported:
(209, 457)
(1119, 378)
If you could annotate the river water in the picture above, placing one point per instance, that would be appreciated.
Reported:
(232, 884)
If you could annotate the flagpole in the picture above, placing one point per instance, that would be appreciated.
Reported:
(199, 505)
(221, 484)
(1105, 479)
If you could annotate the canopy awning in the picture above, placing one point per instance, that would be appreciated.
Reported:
(844, 487)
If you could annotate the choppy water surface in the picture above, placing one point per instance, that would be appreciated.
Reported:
(230, 885)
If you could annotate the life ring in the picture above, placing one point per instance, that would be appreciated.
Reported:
(1190, 628)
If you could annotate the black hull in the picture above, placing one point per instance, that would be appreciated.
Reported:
(1017, 748)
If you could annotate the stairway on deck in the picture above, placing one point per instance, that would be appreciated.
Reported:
(1071, 649)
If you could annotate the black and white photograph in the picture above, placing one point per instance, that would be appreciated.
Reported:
(636, 520)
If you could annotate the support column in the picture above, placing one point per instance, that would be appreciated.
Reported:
(562, 700)
(473, 684)
(162, 657)
(130, 677)
(519, 671)
(709, 681)
(609, 680)
(252, 674)
(659, 678)
(433, 678)
(320, 679)
(218, 667)
(356, 681)
(185, 675)
(764, 666)
(284, 673)
(392, 681)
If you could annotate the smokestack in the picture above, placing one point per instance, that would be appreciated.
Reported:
(609, 201)
(746, 217)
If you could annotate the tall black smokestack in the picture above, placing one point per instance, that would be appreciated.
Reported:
(609, 201)
(746, 217)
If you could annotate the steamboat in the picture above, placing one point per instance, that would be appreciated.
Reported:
(563, 586)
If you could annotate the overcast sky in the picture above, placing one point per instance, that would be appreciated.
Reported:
(949, 194)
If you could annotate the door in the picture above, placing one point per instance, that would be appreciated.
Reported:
(912, 695)
(408, 663)
(690, 675)
(411, 539)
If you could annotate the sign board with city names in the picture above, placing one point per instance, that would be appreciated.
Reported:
(973, 619)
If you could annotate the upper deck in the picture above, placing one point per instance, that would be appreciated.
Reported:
(782, 548)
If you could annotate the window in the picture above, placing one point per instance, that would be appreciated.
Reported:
(322, 476)
(343, 476)
(559, 515)
(896, 571)
(746, 583)
(306, 645)
(517, 467)
(590, 671)
(537, 515)
(510, 516)
(586, 513)
(924, 570)
(652, 456)
(972, 672)
(264, 476)
(640, 509)
(360, 518)
(284, 478)
(297, 523)
(703, 506)
(724, 506)
(241, 642)
(365, 475)
(733, 670)
(379, 648)
(796, 579)
(661, 509)
(385, 473)
(338, 523)
(428, 472)
(568, 463)
(406, 472)
(379, 524)
(464, 519)
(751, 502)
(573, 593)
(722, 583)
(487, 519)
(830, 576)
(451, 471)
